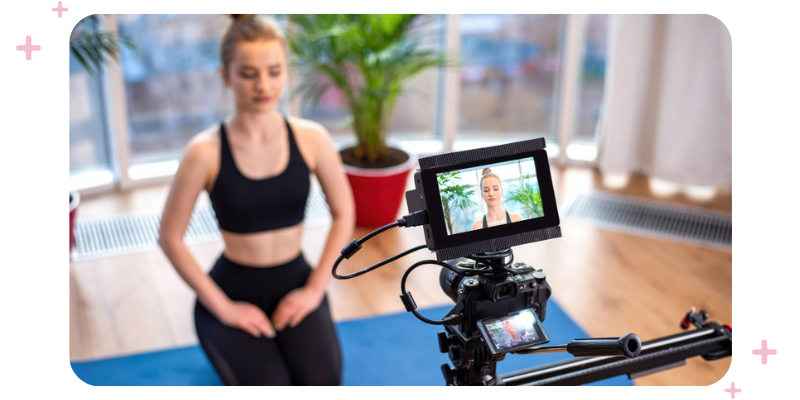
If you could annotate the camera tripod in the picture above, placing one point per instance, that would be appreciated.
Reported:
(596, 358)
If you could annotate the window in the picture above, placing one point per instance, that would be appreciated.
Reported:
(90, 161)
(592, 81)
(88, 143)
(510, 68)
(519, 77)
(172, 85)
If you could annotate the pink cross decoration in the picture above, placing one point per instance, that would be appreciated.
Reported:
(60, 9)
(28, 48)
(764, 352)
(733, 390)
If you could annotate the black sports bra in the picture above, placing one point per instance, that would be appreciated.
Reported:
(245, 205)
(508, 220)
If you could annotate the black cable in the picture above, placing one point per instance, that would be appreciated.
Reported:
(379, 230)
(373, 267)
(408, 300)
(414, 219)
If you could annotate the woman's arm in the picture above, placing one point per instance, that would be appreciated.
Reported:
(191, 178)
(330, 173)
(332, 178)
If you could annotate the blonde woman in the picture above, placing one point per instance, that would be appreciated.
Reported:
(492, 193)
(261, 314)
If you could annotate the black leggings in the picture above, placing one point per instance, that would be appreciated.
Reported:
(307, 354)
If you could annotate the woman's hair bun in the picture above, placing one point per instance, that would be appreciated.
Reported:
(248, 28)
(237, 18)
(486, 171)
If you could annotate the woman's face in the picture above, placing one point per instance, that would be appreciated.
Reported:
(257, 74)
(492, 191)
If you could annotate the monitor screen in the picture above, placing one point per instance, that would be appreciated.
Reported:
(490, 195)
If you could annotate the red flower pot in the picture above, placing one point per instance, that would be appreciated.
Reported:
(74, 200)
(378, 193)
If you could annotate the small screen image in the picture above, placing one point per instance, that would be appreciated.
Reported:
(514, 331)
(490, 195)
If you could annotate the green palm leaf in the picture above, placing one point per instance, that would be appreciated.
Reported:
(92, 49)
(529, 197)
(369, 58)
(454, 195)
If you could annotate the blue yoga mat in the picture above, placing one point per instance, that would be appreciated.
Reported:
(394, 350)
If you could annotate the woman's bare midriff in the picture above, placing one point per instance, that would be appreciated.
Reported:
(264, 249)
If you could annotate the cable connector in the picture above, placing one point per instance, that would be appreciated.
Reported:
(454, 319)
(414, 219)
(351, 249)
(408, 301)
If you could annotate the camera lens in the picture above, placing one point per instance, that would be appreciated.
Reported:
(449, 282)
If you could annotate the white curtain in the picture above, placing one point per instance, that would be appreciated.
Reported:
(667, 105)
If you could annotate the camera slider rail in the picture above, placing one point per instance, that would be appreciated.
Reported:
(711, 341)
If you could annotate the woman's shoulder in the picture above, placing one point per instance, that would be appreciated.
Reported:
(515, 217)
(203, 145)
(313, 140)
(308, 129)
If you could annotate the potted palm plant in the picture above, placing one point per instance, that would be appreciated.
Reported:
(454, 195)
(369, 59)
(527, 195)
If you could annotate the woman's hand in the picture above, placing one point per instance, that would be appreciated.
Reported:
(248, 317)
(295, 306)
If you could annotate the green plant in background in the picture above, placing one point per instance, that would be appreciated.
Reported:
(369, 58)
(528, 195)
(92, 48)
(454, 195)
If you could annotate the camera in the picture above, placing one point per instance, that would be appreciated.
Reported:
(503, 312)
(500, 304)
(495, 297)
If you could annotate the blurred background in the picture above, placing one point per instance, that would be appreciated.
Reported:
(511, 86)
(635, 110)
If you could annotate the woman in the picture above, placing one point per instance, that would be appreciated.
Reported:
(492, 193)
(261, 314)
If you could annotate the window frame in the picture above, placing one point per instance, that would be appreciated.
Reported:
(445, 139)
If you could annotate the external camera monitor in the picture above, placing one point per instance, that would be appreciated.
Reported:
(486, 199)
(513, 331)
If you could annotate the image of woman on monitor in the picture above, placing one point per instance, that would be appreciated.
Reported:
(492, 193)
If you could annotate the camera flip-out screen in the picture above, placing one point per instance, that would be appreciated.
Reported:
(513, 331)
(486, 199)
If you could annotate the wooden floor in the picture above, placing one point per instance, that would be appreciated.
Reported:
(610, 283)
